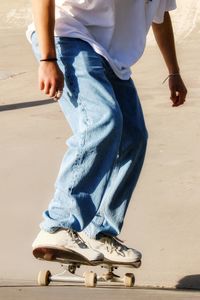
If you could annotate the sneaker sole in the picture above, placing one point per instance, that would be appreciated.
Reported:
(60, 255)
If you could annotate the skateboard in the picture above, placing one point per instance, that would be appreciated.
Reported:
(70, 262)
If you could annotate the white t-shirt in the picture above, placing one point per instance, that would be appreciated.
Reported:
(116, 29)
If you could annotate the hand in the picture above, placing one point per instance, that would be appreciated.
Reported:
(51, 79)
(178, 90)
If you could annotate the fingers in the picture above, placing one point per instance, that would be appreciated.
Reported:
(178, 91)
(41, 85)
(178, 97)
(51, 80)
(58, 95)
(47, 88)
(173, 96)
(51, 90)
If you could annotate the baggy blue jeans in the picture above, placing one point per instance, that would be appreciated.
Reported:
(105, 154)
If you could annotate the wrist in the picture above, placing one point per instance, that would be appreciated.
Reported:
(174, 70)
(171, 75)
(174, 73)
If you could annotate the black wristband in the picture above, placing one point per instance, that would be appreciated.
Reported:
(49, 59)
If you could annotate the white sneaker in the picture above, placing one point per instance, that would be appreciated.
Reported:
(66, 239)
(112, 249)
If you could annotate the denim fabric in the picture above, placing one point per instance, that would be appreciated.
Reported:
(105, 154)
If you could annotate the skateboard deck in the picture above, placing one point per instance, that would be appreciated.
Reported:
(71, 261)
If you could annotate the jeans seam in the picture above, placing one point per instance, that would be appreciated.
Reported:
(83, 137)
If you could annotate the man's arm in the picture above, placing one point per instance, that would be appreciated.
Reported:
(165, 40)
(51, 79)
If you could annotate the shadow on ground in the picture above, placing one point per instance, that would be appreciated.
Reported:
(189, 282)
(25, 104)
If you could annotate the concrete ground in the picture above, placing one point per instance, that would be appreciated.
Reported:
(163, 218)
(77, 292)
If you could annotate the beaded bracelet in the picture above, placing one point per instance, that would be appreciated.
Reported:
(49, 59)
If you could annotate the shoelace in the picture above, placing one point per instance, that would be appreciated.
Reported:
(114, 244)
(76, 238)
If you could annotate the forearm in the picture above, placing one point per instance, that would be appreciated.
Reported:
(165, 39)
(44, 19)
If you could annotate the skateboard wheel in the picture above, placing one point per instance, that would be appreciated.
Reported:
(129, 280)
(90, 279)
(44, 278)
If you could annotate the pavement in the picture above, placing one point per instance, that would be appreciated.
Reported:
(163, 217)
(77, 292)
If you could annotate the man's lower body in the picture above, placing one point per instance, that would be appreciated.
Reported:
(105, 154)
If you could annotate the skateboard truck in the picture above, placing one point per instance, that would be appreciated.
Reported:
(110, 274)
(90, 278)
(72, 268)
